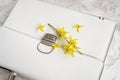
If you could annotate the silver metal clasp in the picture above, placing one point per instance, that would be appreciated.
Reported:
(48, 40)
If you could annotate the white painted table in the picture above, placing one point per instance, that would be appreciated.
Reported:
(107, 8)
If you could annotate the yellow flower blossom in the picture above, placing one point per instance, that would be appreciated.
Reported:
(73, 42)
(69, 49)
(78, 27)
(71, 46)
(41, 27)
(55, 46)
(62, 32)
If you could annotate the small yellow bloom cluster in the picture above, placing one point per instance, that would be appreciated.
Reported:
(78, 27)
(62, 33)
(71, 45)
(41, 27)
(55, 46)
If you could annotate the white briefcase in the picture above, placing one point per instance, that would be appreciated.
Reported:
(19, 39)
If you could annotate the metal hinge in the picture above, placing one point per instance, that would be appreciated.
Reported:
(102, 18)
(12, 75)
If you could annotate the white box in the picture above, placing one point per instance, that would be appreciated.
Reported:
(19, 40)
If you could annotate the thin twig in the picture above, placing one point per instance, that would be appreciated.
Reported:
(65, 39)
(76, 49)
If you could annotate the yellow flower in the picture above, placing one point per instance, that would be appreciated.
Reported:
(62, 32)
(71, 46)
(73, 42)
(41, 27)
(69, 49)
(55, 46)
(78, 27)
